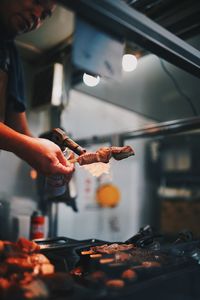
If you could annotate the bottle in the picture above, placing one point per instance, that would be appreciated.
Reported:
(58, 190)
(55, 185)
(37, 226)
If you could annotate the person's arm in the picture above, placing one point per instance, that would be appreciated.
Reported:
(43, 155)
(18, 122)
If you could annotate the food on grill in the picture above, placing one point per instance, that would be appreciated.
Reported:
(87, 252)
(35, 289)
(104, 154)
(151, 264)
(97, 255)
(35, 263)
(129, 274)
(98, 275)
(27, 246)
(21, 269)
(78, 271)
(115, 283)
(106, 260)
(22, 245)
(122, 256)
(112, 248)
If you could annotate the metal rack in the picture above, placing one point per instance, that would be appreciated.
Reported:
(156, 130)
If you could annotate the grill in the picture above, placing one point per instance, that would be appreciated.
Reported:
(152, 269)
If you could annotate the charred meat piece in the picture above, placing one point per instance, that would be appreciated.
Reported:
(150, 264)
(104, 154)
(90, 158)
(112, 248)
(115, 283)
(27, 246)
(119, 153)
(129, 274)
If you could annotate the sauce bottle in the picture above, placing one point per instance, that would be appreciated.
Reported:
(37, 226)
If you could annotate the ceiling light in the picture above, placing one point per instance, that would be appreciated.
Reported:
(57, 85)
(129, 62)
(90, 80)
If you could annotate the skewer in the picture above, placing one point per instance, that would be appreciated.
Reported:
(73, 160)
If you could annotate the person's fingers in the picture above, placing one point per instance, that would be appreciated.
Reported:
(62, 159)
(71, 156)
(62, 169)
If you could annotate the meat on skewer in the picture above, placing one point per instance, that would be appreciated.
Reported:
(119, 153)
(104, 154)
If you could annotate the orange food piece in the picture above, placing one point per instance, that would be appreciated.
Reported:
(27, 246)
(129, 274)
(116, 283)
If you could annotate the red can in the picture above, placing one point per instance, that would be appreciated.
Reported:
(37, 226)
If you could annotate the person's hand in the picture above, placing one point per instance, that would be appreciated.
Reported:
(45, 157)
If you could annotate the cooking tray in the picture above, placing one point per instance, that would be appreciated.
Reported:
(144, 239)
(62, 250)
(176, 278)
(174, 270)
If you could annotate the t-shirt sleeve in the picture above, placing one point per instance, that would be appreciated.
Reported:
(16, 94)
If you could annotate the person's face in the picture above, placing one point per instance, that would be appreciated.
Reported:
(21, 16)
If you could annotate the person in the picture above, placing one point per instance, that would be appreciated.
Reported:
(18, 17)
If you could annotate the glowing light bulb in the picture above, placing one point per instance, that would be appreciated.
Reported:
(33, 174)
(90, 80)
(129, 62)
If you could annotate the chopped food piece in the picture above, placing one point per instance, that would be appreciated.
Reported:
(129, 274)
(116, 283)
(78, 271)
(98, 275)
(122, 256)
(106, 260)
(112, 248)
(27, 246)
(1, 246)
(95, 255)
(150, 264)
(87, 252)
(21, 262)
(119, 153)
(36, 289)
(47, 269)
(4, 283)
(20, 271)
(38, 258)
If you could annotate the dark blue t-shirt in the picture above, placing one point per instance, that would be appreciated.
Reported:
(10, 63)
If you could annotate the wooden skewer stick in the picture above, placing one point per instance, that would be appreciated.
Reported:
(73, 160)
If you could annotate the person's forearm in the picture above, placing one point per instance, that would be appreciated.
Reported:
(41, 154)
(18, 122)
(11, 140)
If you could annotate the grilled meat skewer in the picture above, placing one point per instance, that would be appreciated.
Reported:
(104, 155)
